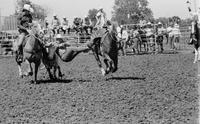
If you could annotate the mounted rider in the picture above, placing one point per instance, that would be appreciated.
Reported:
(101, 26)
(101, 18)
(24, 22)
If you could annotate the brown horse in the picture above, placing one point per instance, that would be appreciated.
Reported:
(32, 53)
(106, 47)
(51, 61)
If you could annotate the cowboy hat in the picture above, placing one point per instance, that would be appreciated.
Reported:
(54, 15)
(100, 8)
(159, 23)
(27, 7)
(149, 23)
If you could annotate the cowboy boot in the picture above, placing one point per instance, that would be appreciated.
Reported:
(19, 55)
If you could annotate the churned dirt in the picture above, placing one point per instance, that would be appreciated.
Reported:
(147, 89)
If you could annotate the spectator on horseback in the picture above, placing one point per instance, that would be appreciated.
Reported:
(87, 24)
(55, 24)
(24, 21)
(101, 19)
(65, 25)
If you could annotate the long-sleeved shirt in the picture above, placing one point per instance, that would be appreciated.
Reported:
(55, 22)
(23, 20)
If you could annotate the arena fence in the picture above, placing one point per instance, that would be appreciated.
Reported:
(8, 33)
(184, 38)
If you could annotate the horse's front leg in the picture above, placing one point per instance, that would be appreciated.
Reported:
(30, 69)
(20, 70)
(195, 56)
(111, 65)
(99, 63)
(107, 66)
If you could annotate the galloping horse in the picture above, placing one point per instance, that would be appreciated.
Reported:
(195, 40)
(106, 47)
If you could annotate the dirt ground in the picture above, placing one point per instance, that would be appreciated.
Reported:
(147, 89)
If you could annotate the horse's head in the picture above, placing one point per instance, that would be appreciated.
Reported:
(112, 27)
(36, 28)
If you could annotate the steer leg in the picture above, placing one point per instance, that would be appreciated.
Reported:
(195, 56)
(59, 72)
(20, 70)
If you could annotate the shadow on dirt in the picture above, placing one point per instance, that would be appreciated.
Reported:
(54, 81)
(125, 78)
(169, 52)
(152, 53)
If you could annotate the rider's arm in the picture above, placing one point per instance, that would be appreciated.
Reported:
(90, 22)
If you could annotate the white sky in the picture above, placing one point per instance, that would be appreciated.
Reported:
(72, 8)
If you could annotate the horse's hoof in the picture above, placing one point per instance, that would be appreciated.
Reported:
(114, 70)
(61, 76)
(30, 73)
(21, 76)
(103, 72)
(55, 78)
(34, 82)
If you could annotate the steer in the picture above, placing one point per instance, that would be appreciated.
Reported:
(51, 61)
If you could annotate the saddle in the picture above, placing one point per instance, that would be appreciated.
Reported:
(33, 51)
